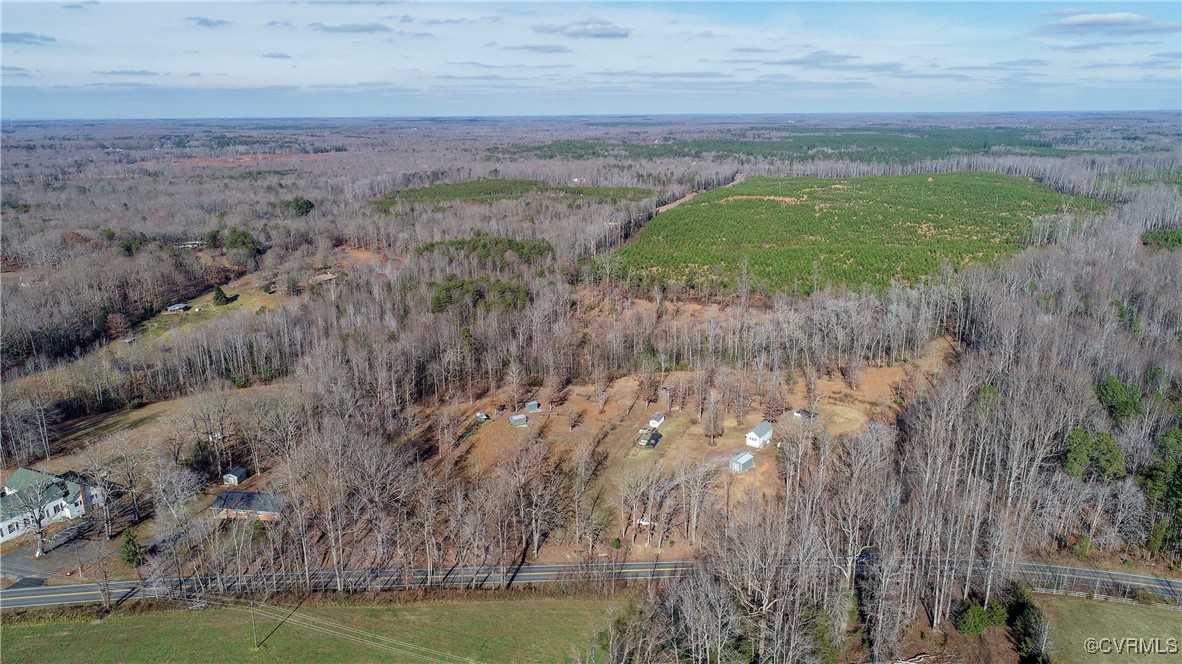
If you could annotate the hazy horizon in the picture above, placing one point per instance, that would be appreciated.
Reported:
(91, 60)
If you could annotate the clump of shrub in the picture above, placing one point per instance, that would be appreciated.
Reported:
(975, 617)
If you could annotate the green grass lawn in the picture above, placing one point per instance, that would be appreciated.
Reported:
(519, 630)
(245, 295)
(801, 232)
(1074, 620)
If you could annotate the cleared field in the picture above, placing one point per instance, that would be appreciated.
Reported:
(801, 233)
(1074, 621)
(525, 630)
(488, 191)
(245, 295)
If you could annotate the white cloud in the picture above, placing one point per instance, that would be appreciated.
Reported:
(539, 48)
(351, 28)
(591, 28)
(1121, 23)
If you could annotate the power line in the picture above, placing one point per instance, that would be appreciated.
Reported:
(338, 629)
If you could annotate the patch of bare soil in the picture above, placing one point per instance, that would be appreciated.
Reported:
(787, 200)
(693, 194)
(948, 646)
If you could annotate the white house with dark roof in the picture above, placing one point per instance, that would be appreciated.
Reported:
(28, 492)
(759, 436)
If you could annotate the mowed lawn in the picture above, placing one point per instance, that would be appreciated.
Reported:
(802, 233)
(245, 295)
(524, 630)
(1075, 620)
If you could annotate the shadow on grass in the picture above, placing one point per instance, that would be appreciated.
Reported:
(73, 436)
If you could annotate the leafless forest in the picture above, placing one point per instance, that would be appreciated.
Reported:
(1053, 430)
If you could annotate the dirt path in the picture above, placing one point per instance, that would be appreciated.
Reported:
(781, 199)
(690, 196)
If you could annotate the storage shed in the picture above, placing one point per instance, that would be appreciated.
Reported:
(803, 414)
(532, 406)
(178, 308)
(518, 420)
(657, 420)
(235, 476)
(760, 435)
(648, 438)
(742, 463)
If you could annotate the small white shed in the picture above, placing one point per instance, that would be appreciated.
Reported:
(742, 463)
(235, 476)
(657, 421)
(532, 406)
(760, 435)
(518, 420)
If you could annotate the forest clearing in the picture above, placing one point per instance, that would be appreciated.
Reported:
(799, 234)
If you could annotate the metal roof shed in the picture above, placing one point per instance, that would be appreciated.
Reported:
(742, 463)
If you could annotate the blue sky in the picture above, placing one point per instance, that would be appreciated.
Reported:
(308, 59)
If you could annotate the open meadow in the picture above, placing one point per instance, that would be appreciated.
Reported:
(537, 629)
(1075, 620)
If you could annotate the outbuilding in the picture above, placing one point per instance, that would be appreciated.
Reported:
(806, 415)
(742, 463)
(760, 435)
(532, 406)
(481, 417)
(235, 477)
(657, 420)
(648, 438)
(178, 308)
(518, 420)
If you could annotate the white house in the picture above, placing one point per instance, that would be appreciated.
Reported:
(760, 435)
(657, 421)
(58, 498)
(742, 463)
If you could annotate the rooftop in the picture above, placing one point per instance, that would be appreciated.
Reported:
(246, 501)
(762, 429)
(25, 480)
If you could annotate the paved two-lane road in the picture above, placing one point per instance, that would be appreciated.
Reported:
(1041, 575)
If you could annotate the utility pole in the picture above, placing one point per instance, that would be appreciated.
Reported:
(253, 629)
